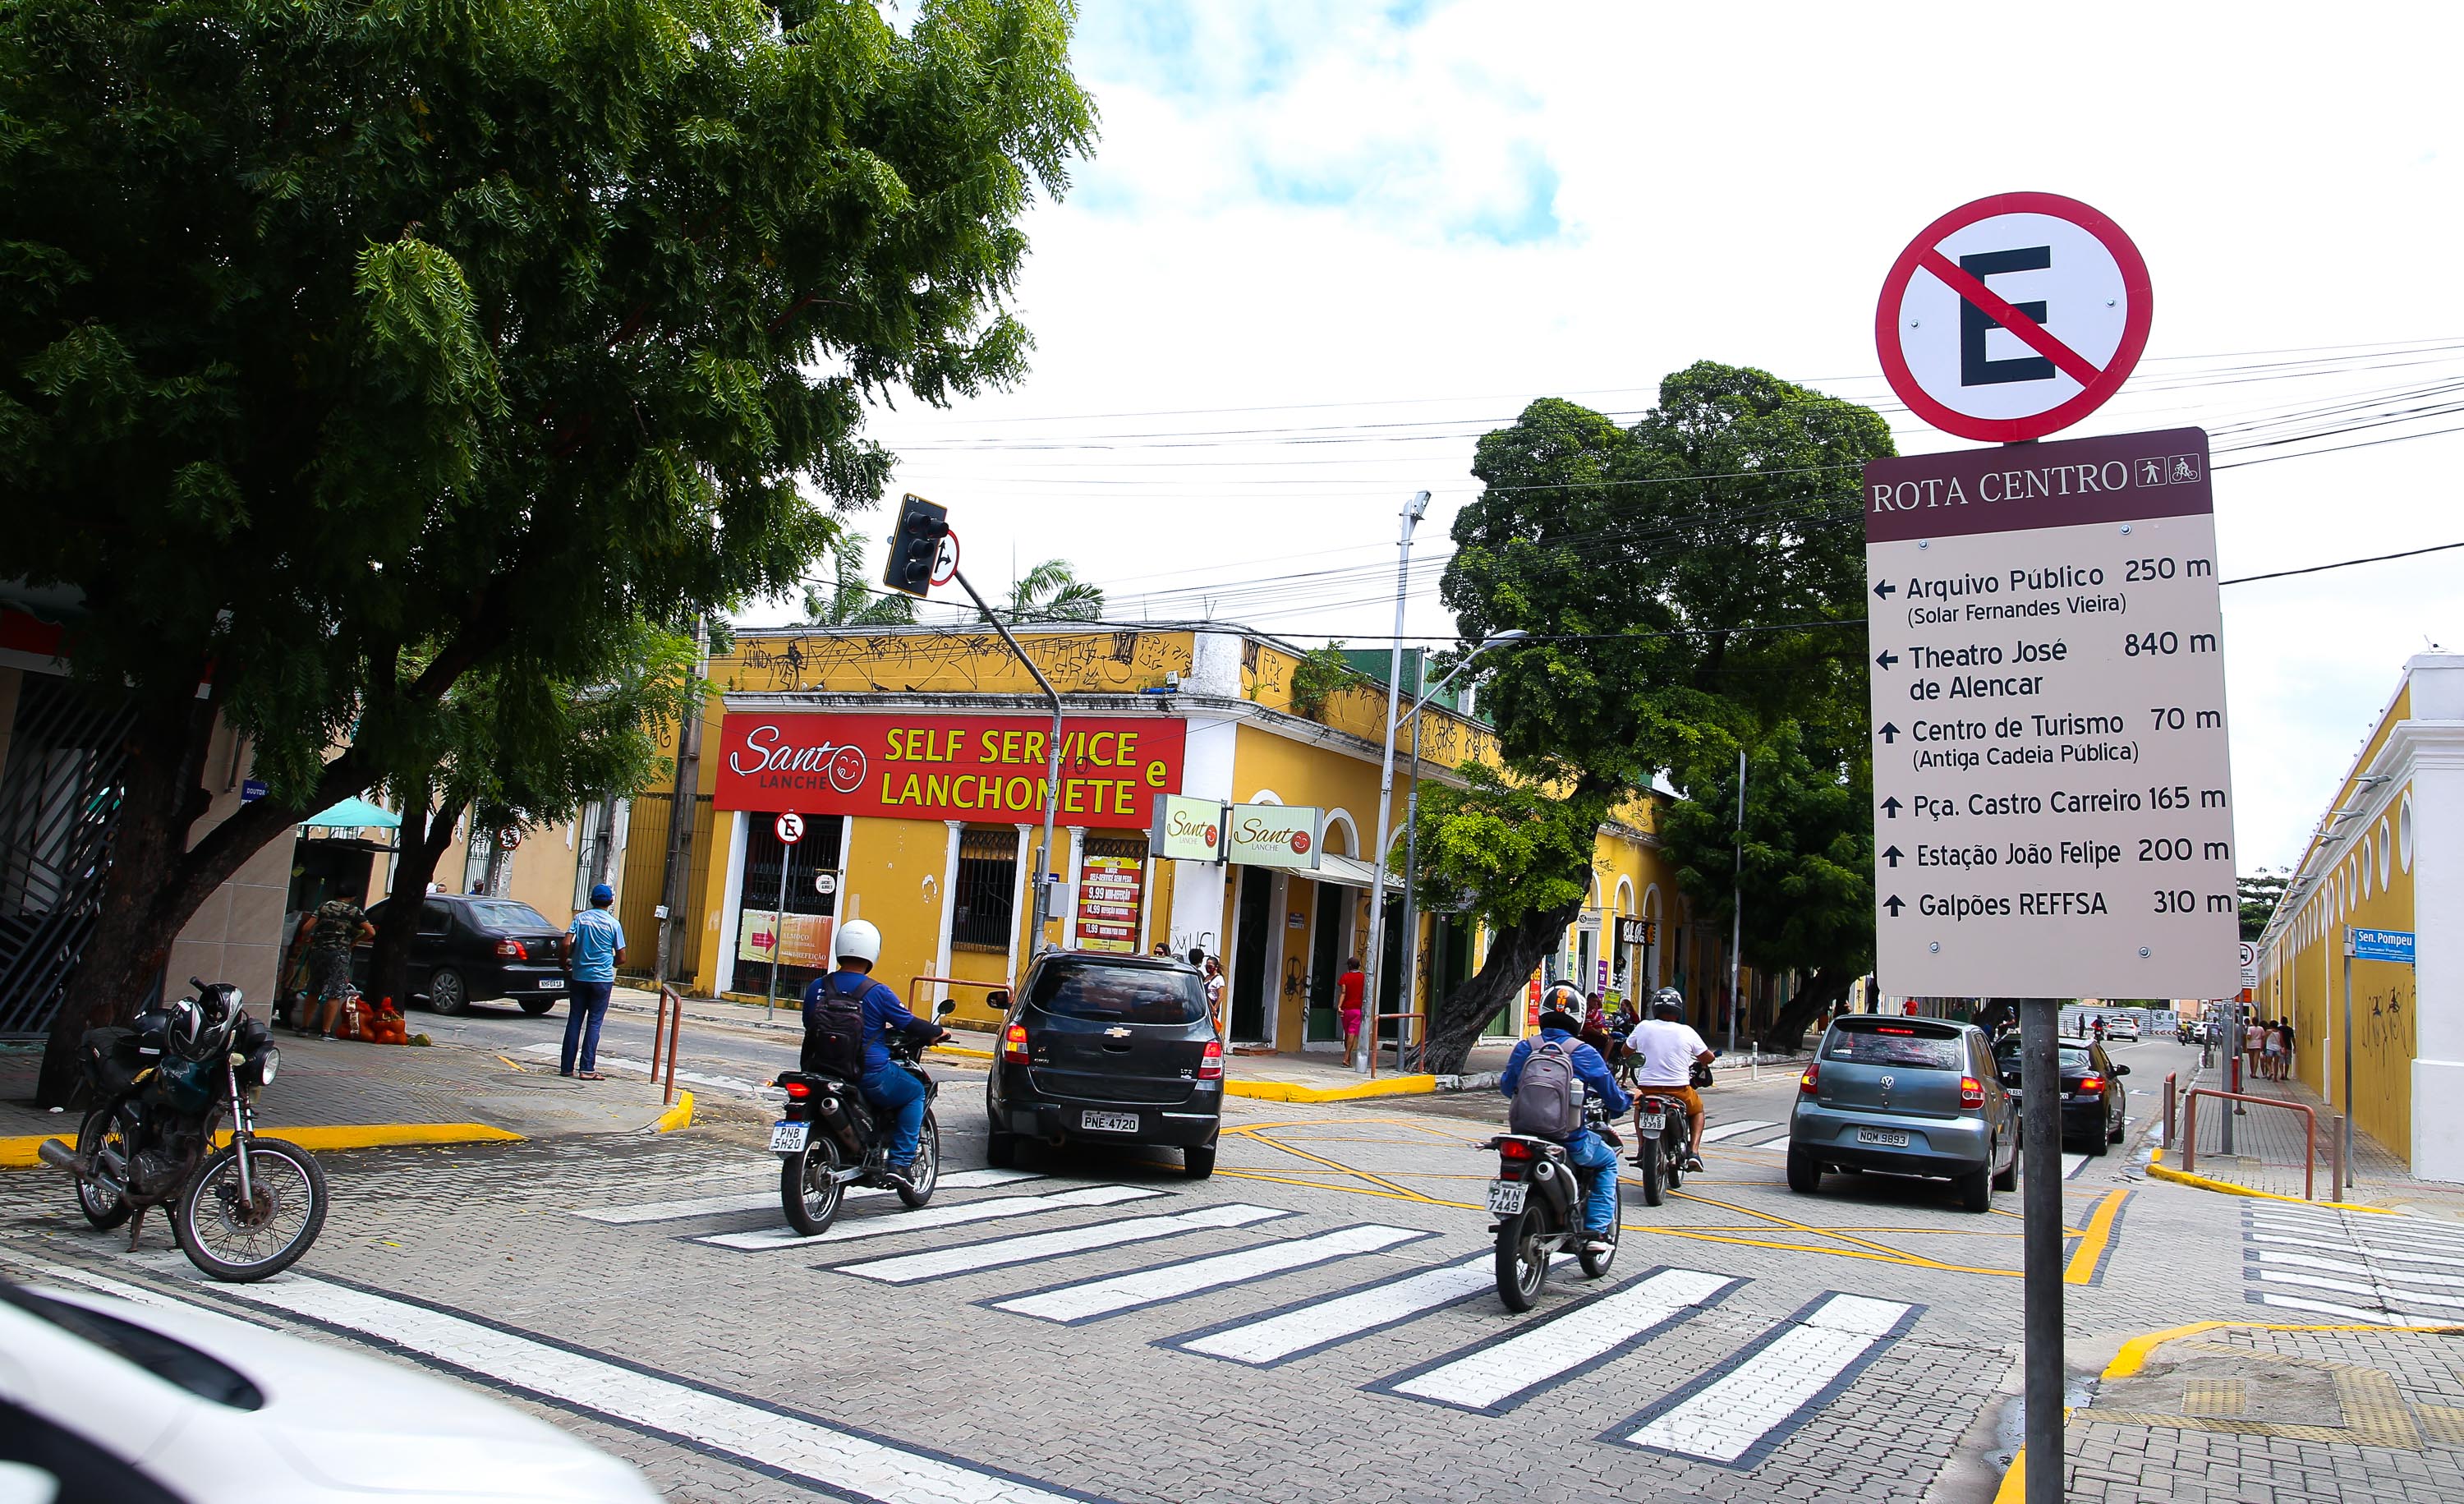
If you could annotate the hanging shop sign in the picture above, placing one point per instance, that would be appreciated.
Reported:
(800, 940)
(1189, 829)
(1633, 931)
(1273, 835)
(1110, 891)
(923, 767)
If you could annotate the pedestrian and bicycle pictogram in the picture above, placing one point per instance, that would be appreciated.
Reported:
(2012, 316)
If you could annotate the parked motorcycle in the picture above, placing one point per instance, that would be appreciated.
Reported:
(831, 1138)
(161, 1090)
(1537, 1199)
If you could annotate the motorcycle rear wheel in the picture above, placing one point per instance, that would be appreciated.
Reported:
(236, 1243)
(1650, 1168)
(928, 1166)
(1523, 1251)
(102, 1141)
(809, 1189)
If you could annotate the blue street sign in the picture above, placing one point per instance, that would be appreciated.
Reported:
(2394, 945)
(251, 790)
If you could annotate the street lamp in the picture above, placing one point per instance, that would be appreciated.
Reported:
(1413, 511)
(1411, 988)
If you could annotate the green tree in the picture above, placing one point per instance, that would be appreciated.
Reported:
(1052, 592)
(1692, 584)
(352, 349)
(852, 600)
(2260, 893)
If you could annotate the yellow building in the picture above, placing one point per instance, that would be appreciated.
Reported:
(914, 756)
(2388, 855)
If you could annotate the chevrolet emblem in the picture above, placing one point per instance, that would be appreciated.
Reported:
(1116, 1033)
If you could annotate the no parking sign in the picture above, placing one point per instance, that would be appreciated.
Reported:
(2012, 316)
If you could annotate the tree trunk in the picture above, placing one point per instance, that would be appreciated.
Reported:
(425, 836)
(1826, 988)
(1514, 951)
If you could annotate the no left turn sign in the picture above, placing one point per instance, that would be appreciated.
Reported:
(791, 828)
(2012, 316)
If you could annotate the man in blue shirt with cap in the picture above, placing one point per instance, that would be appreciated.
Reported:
(593, 948)
(1583, 1147)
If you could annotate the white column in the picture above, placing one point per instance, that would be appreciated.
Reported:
(1206, 773)
(1279, 902)
(1019, 913)
(2438, 788)
(1069, 893)
(731, 903)
(1146, 904)
(949, 904)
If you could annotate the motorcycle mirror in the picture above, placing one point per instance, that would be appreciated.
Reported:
(997, 999)
(945, 1008)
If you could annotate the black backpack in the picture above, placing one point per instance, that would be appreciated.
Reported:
(834, 1028)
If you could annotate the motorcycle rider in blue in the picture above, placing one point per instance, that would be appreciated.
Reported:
(1584, 1148)
(887, 1087)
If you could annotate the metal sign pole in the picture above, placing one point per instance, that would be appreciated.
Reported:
(2345, 1133)
(777, 935)
(2040, 1143)
(1047, 880)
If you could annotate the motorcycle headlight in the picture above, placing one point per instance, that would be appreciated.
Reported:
(266, 1068)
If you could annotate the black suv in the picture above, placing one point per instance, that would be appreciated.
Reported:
(472, 949)
(1102, 1048)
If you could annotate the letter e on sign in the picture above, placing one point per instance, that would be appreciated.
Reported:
(790, 827)
(2012, 316)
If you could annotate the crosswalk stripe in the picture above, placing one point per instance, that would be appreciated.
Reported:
(756, 1201)
(992, 1208)
(2377, 1229)
(1494, 1377)
(1736, 1414)
(1313, 1325)
(839, 1461)
(2072, 1163)
(1088, 1300)
(1780, 1143)
(2326, 1308)
(902, 1269)
(1726, 1131)
(2306, 1241)
(2383, 1296)
(2333, 1266)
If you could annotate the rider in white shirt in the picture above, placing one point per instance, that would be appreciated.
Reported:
(1667, 1049)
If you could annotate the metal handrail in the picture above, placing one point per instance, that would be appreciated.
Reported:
(2310, 1140)
(664, 1032)
(913, 983)
(1375, 1019)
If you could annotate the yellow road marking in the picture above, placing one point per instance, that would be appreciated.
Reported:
(2099, 1232)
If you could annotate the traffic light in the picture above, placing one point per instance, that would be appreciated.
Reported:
(915, 547)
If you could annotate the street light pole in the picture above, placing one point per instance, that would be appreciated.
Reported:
(1412, 837)
(1048, 880)
(1413, 511)
(1737, 902)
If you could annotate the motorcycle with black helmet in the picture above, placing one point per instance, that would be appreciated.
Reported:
(161, 1090)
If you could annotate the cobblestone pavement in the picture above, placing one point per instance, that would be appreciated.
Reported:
(1316, 1321)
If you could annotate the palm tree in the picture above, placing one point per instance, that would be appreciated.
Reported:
(851, 601)
(1052, 592)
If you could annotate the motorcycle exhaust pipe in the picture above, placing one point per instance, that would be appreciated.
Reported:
(60, 1157)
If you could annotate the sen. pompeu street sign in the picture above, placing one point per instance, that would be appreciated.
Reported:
(2394, 945)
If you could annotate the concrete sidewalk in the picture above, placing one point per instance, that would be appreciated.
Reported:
(340, 1095)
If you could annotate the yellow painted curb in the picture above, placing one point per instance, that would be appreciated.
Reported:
(958, 1050)
(1293, 1091)
(2156, 1168)
(677, 1115)
(18, 1153)
(2133, 1356)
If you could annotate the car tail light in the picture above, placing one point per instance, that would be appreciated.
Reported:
(2090, 1083)
(1812, 1072)
(1210, 1065)
(513, 950)
(1888, 1029)
(1971, 1092)
(1014, 1044)
(799, 1089)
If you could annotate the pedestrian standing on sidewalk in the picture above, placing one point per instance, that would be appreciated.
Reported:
(593, 948)
(2254, 1046)
(337, 926)
(1351, 989)
(2286, 1025)
(1215, 996)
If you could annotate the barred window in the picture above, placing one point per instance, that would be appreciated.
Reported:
(987, 892)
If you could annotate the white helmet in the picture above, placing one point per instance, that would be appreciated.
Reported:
(859, 940)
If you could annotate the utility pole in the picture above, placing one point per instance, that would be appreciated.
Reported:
(1737, 903)
(676, 883)
(1374, 962)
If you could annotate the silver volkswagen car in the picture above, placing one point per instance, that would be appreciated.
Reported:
(1906, 1096)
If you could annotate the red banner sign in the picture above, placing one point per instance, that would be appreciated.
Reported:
(924, 766)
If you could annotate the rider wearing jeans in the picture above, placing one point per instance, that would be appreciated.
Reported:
(886, 1086)
(1584, 1147)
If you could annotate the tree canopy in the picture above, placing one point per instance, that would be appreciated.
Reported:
(1692, 583)
(351, 348)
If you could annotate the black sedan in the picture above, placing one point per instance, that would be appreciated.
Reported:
(2095, 1103)
(1104, 1048)
(469, 949)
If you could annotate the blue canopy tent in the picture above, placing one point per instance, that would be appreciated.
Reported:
(356, 813)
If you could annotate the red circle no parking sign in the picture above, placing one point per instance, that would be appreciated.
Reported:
(2012, 316)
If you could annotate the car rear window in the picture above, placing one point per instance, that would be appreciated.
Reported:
(1126, 994)
(1895, 1045)
(504, 914)
(2074, 1058)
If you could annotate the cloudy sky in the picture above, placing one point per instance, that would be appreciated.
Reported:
(1322, 247)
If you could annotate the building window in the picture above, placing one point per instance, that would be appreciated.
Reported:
(987, 894)
(799, 937)
(475, 855)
